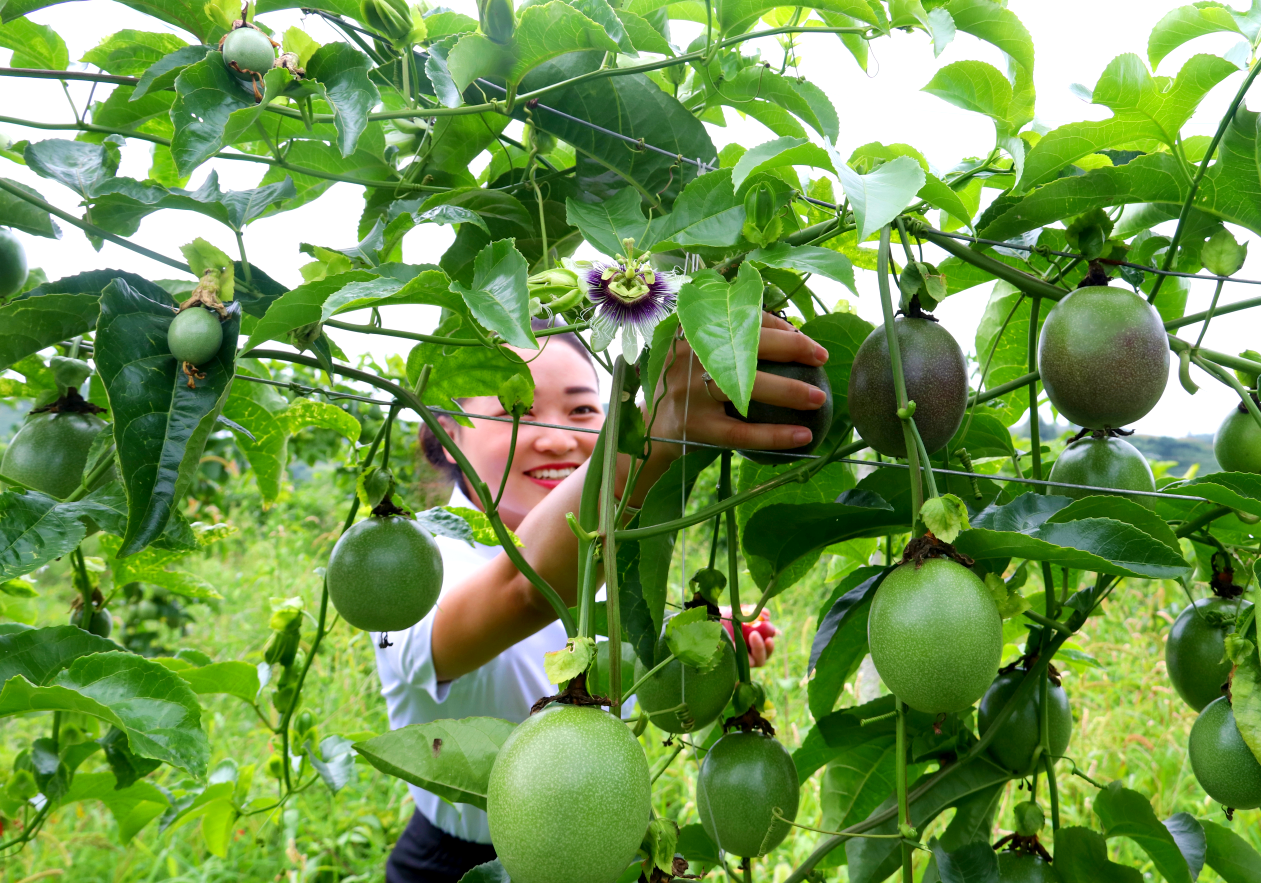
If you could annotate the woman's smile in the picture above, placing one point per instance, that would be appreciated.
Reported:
(551, 474)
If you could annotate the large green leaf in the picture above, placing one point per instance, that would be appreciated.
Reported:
(450, 758)
(266, 446)
(205, 21)
(973, 862)
(781, 94)
(1230, 855)
(997, 25)
(132, 806)
(429, 286)
(1023, 529)
(1126, 813)
(706, 213)
(880, 195)
(1238, 490)
(807, 259)
(1002, 341)
(841, 334)
(1081, 856)
(974, 86)
(161, 75)
(76, 164)
(498, 296)
(786, 151)
(34, 45)
(840, 642)
(19, 214)
(233, 677)
(39, 654)
(736, 16)
(155, 708)
(207, 94)
(605, 224)
(304, 305)
(160, 424)
(129, 53)
(723, 322)
(463, 371)
(119, 204)
(1186, 23)
(340, 72)
(364, 163)
(854, 783)
(35, 530)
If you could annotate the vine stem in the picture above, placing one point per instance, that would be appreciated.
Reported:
(443, 341)
(608, 521)
(1185, 213)
(904, 809)
(409, 399)
(1233, 382)
(589, 521)
(1208, 314)
(733, 572)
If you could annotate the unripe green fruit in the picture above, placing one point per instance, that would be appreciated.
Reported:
(1029, 818)
(50, 450)
(935, 634)
(1104, 357)
(680, 698)
(1021, 733)
(818, 421)
(13, 268)
(1019, 867)
(569, 797)
(1195, 652)
(251, 50)
(744, 778)
(1103, 462)
(100, 624)
(195, 335)
(936, 376)
(1224, 765)
(1237, 445)
(384, 574)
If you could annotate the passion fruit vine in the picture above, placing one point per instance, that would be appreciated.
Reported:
(569, 797)
(744, 779)
(818, 421)
(384, 574)
(936, 375)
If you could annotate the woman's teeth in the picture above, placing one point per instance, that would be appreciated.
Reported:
(552, 474)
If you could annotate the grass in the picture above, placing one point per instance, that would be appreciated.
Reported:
(1129, 724)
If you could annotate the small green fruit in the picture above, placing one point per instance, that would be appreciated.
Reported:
(1029, 818)
(1103, 462)
(12, 264)
(1020, 735)
(50, 450)
(1104, 357)
(569, 797)
(743, 780)
(1223, 763)
(1195, 652)
(195, 335)
(101, 623)
(936, 375)
(250, 50)
(936, 636)
(384, 574)
(1237, 445)
(680, 698)
(818, 422)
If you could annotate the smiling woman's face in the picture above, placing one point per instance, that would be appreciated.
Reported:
(565, 394)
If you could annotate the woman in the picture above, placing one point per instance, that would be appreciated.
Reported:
(480, 650)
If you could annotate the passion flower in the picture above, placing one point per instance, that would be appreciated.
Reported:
(628, 296)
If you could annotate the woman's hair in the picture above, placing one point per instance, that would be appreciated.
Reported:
(429, 443)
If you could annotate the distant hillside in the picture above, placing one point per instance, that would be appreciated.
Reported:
(1192, 449)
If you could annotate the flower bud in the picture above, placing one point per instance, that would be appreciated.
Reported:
(497, 19)
(1029, 818)
(389, 18)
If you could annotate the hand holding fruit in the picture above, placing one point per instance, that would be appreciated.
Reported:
(759, 635)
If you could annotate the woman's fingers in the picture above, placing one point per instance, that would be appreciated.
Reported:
(770, 389)
(731, 433)
(790, 345)
(757, 650)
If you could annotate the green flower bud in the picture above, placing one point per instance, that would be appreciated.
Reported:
(759, 206)
(497, 19)
(1029, 818)
(708, 583)
(389, 18)
(1246, 378)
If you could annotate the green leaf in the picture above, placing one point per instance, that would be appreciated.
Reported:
(661, 842)
(323, 415)
(1238, 490)
(879, 196)
(856, 780)
(974, 862)
(755, 86)
(161, 75)
(34, 45)
(605, 224)
(939, 194)
(1188, 833)
(157, 710)
(132, 806)
(463, 372)
(1023, 529)
(150, 566)
(840, 642)
(1230, 855)
(207, 94)
(19, 214)
(35, 530)
(479, 525)
(570, 661)
(487, 872)
(736, 16)
(706, 213)
(341, 74)
(694, 640)
(430, 286)
(334, 761)
(543, 32)
(974, 86)
(451, 758)
(302, 306)
(1081, 856)
(499, 297)
(778, 153)
(841, 334)
(160, 424)
(1007, 313)
(642, 35)
(39, 654)
(999, 26)
(78, 165)
(129, 53)
(451, 214)
(206, 21)
(235, 678)
(1120, 509)
(1127, 813)
(945, 516)
(1185, 24)
(723, 322)
(807, 259)
(121, 203)
(266, 446)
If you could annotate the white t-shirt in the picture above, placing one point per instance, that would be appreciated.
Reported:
(506, 687)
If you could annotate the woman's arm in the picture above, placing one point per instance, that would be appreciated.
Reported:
(497, 607)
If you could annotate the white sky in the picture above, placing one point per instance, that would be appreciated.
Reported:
(1075, 40)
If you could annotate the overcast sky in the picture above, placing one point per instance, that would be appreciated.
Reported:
(1075, 40)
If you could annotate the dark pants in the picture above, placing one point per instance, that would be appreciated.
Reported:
(425, 854)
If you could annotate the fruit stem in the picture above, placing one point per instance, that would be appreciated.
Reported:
(904, 809)
(746, 864)
(1035, 421)
(85, 586)
(899, 378)
(929, 481)
(245, 263)
(664, 764)
(652, 671)
(512, 449)
(1232, 381)
(608, 521)
(733, 571)
(589, 521)
(1208, 316)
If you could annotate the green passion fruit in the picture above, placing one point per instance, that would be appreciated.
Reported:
(384, 574)
(1104, 357)
(1223, 763)
(569, 797)
(101, 622)
(680, 698)
(1103, 462)
(743, 780)
(1020, 735)
(50, 450)
(936, 375)
(1195, 652)
(818, 421)
(250, 50)
(1019, 867)
(936, 636)
(195, 335)
(1237, 445)
(12, 264)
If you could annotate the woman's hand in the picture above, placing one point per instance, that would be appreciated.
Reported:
(759, 635)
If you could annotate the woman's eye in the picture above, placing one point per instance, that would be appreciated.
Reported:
(585, 410)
